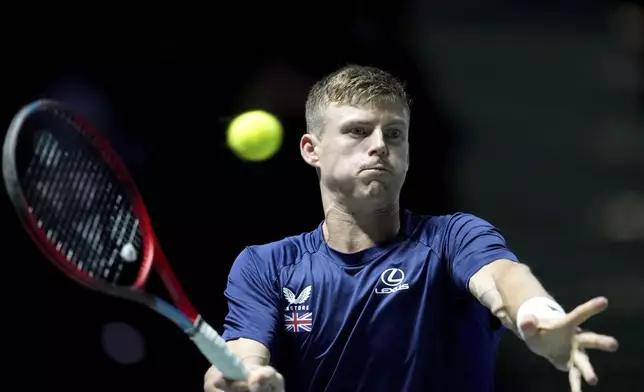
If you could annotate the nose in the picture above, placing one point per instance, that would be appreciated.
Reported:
(378, 145)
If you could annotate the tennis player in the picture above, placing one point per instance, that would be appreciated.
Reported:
(377, 298)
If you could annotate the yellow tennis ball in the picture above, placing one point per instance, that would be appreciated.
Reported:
(255, 135)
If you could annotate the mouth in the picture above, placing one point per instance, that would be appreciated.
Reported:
(376, 168)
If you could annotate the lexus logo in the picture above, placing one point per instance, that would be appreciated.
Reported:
(392, 277)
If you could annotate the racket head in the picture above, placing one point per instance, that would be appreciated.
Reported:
(56, 166)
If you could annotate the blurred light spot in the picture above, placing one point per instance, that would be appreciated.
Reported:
(622, 217)
(628, 20)
(123, 343)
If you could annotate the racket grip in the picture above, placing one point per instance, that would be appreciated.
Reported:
(214, 348)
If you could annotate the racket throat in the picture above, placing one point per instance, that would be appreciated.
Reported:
(196, 324)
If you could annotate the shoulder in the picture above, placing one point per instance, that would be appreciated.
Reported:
(434, 230)
(278, 254)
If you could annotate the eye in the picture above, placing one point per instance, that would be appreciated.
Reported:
(395, 133)
(358, 131)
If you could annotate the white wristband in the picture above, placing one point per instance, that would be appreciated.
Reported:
(542, 308)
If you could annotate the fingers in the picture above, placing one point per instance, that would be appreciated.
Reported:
(574, 378)
(229, 385)
(581, 362)
(590, 340)
(215, 382)
(260, 379)
(210, 380)
(579, 368)
(266, 379)
(583, 312)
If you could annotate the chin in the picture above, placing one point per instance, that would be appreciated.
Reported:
(375, 192)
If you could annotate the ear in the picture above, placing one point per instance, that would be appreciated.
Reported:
(309, 148)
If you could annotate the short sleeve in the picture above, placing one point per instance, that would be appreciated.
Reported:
(252, 300)
(471, 243)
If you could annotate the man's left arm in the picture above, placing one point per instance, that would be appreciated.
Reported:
(518, 299)
(481, 263)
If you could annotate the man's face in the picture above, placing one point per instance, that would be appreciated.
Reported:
(363, 153)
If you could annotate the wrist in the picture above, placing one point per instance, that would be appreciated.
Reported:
(541, 308)
(254, 360)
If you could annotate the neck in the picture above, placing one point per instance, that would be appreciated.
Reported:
(349, 232)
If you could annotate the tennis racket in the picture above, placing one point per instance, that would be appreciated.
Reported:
(76, 199)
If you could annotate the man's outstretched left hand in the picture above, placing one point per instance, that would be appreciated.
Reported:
(564, 343)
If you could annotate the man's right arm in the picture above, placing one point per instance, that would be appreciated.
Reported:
(251, 353)
(253, 301)
(252, 321)
(255, 356)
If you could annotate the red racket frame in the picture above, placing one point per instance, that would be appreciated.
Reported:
(152, 253)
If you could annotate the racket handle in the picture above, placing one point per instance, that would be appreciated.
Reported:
(214, 348)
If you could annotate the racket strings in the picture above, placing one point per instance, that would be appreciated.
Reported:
(80, 207)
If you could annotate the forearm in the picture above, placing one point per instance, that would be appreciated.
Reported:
(516, 285)
(503, 286)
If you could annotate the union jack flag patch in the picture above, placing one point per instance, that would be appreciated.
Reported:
(298, 322)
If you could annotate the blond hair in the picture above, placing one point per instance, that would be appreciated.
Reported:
(352, 85)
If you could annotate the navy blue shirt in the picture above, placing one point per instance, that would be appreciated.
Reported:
(394, 317)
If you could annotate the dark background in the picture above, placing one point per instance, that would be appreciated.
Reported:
(530, 116)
